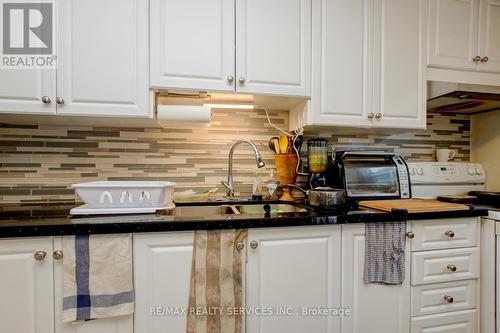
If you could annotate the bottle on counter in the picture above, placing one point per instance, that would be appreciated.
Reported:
(257, 187)
(271, 186)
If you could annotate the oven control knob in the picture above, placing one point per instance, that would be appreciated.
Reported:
(479, 172)
(471, 172)
(412, 171)
(420, 171)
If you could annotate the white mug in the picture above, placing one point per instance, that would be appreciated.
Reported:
(444, 155)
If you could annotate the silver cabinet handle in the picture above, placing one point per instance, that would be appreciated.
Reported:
(240, 245)
(410, 234)
(448, 299)
(40, 255)
(378, 116)
(230, 78)
(484, 60)
(451, 268)
(371, 115)
(476, 59)
(58, 255)
(254, 244)
(450, 233)
(46, 100)
(241, 79)
(60, 100)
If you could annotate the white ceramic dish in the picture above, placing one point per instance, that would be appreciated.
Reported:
(86, 210)
(126, 194)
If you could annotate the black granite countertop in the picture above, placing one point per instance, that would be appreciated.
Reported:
(54, 220)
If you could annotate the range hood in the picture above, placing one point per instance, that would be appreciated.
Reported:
(462, 98)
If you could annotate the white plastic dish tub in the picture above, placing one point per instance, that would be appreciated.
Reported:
(125, 194)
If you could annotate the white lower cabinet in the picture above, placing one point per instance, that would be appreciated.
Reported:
(123, 324)
(374, 307)
(454, 322)
(31, 291)
(26, 288)
(162, 271)
(298, 269)
(445, 285)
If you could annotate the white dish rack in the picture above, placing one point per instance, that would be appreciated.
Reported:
(124, 197)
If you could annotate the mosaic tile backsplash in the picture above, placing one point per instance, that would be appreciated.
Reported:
(39, 162)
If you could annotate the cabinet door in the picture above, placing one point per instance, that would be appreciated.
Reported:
(162, 272)
(26, 302)
(399, 67)
(192, 44)
(293, 269)
(123, 324)
(374, 307)
(453, 33)
(489, 32)
(341, 87)
(273, 47)
(21, 91)
(103, 58)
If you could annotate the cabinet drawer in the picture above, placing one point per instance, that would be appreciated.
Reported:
(444, 265)
(453, 322)
(444, 234)
(442, 297)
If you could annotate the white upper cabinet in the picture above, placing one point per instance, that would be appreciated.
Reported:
(273, 47)
(247, 46)
(369, 66)
(103, 58)
(464, 46)
(28, 91)
(341, 85)
(26, 301)
(489, 35)
(298, 268)
(453, 33)
(192, 44)
(399, 66)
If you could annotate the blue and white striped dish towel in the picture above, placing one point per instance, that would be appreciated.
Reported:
(385, 252)
(97, 277)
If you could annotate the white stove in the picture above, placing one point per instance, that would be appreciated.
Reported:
(431, 179)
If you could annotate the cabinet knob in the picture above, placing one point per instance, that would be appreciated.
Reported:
(371, 115)
(46, 100)
(378, 116)
(60, 100)
(450, 233)
(254, 244)
(410, 234)
(230, 78)
(40, 255)
(240, 245)
(241, 80)
(451, 268)
(58, 255)
(484, 60)
(476, 59)
(448, 299)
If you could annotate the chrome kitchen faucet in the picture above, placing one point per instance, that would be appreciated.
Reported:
(229, 183)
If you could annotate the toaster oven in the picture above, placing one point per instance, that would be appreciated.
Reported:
(369, 175)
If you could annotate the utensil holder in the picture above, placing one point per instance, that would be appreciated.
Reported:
(286, 165)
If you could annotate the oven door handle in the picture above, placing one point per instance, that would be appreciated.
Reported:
(367, 153)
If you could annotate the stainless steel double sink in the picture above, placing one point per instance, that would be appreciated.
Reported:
(237, 209)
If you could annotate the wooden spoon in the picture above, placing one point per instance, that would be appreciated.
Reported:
(283, 143)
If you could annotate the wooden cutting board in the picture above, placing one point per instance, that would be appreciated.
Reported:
(413, 205)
